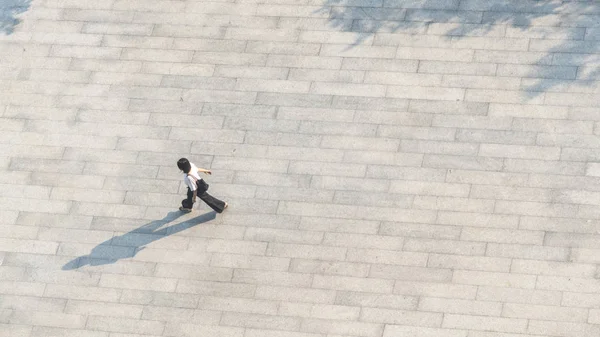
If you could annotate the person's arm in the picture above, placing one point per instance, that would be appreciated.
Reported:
(204, 171)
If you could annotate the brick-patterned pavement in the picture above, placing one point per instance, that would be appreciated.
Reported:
(394, 168)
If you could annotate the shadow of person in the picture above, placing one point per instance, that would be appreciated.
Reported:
(9, 11)
(129, 244)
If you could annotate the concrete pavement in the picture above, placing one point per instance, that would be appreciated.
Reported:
(393, 168)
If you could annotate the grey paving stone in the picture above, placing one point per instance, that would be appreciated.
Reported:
(207, 288)
(472, 263)
(337, 327)
(391, 330)
(277, 73)
(24, 303)
(198, 96)
(180, 315)
(56, 332)
(271, 333)
(189, 329)
(405, 173)
(419, 230)
(344, 129)
(528, 252)
(360, 143)
(422, 168)
(453, 203)
(126, 325)
(383, 158)
(22, 288)
(548, 313)
(82, 293)
(50, 319)
(10, 330)
(137, 282)
(372, 199)
(111, 310)
(323, 168)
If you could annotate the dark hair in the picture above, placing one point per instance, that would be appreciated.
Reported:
(184, 165)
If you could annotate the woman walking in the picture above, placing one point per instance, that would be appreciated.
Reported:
(197, 187)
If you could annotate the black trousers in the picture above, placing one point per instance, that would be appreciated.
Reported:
(212, 202)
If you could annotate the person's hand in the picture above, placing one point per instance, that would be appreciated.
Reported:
(208, 172)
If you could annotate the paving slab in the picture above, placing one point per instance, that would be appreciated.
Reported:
(393, 168)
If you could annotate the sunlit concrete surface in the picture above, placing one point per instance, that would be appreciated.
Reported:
(394, 168)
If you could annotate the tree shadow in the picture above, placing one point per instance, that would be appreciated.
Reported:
(9, 11)
(578, 22)
(129, 244)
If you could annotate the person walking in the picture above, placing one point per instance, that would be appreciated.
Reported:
(197, 187)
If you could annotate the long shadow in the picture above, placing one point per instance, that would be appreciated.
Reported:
(9, 12)
(367, 18)
(129, 244)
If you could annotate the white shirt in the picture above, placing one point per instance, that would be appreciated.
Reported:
(188, 180)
